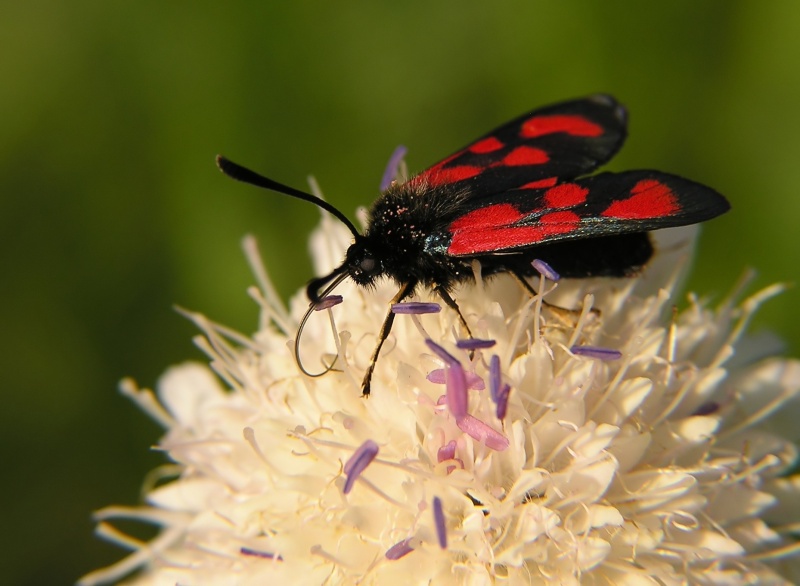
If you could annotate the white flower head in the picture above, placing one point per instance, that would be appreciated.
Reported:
(639, 445)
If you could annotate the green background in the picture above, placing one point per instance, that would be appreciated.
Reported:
(113, 211)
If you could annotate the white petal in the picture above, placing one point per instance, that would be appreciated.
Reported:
(787, 499)
(630, 447)
(187, 389)
(738, 501)
(192, 495)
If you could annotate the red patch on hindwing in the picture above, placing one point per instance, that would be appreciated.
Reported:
(565, 195)
(570, 124)
(649, 198)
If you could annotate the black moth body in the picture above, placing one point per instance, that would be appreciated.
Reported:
(407, 237)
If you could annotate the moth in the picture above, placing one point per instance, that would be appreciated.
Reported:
(519, 193)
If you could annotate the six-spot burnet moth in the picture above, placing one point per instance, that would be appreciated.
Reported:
(514, 195)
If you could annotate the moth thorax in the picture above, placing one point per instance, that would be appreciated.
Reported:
(398, 224)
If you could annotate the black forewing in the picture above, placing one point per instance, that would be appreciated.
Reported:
(564, 140)
(637, 201)
(601, 205)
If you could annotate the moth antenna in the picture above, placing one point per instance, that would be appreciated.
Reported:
(312, 289)
(311, 307)
(245, 175)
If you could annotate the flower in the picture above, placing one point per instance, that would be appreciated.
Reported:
(621, 442)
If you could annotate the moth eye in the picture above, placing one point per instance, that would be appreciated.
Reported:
(367, 264)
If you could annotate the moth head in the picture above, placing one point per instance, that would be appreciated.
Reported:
(362, 264)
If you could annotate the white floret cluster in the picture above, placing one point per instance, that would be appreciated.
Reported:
(662, 455)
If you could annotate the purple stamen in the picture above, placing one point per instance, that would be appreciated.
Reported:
(596, 352)
(438, 377)
(456, 385)
(441, 352)
(358, 462)
(391, 167)
(438, 519)
(447, 451)
(416, 307)
(494, 376)
(475, 344)
(545, 270)
(399, 549)
(478, 430)
(260, 554)
(328, 302)
(502, 402)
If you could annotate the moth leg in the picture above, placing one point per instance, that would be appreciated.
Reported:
(451, 303)
(525, 285)
(405, 291)
(563, 313)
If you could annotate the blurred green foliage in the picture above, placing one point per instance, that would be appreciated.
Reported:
(112, 209)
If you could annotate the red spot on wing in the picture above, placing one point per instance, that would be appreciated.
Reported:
(650, 199)
(570, 124)
(483, 236)
(541, 183)
(525, 155)
(487, 145)
(558, 223)
(441, 175)
(452, 174)
(565, 195)
(490, 216)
